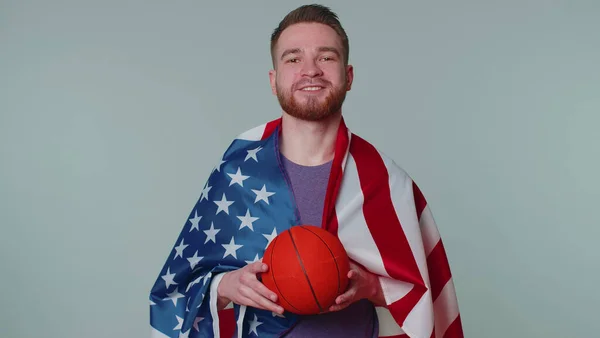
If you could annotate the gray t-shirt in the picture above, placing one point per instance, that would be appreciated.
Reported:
(309, 185)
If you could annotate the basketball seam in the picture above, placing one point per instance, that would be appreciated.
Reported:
(332, 255)
(273, 275)
(305, 273)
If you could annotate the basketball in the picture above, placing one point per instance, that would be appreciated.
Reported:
(308, 269)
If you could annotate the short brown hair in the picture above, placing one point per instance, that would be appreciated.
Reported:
(312, 13)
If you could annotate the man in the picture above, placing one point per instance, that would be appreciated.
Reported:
(307, 168)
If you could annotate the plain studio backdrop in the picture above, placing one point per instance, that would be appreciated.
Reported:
(113, 114)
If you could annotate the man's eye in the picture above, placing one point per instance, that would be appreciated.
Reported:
(293, 60)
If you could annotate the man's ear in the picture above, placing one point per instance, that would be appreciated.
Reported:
(272, 80)
(349, 77)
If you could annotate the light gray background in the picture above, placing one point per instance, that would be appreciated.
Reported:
(113, 113)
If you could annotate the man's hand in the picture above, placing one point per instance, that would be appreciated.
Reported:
(243, 287)
(363, 285)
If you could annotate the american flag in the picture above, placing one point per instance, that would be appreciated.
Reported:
(372, 205)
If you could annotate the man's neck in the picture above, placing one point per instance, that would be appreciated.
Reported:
(309, 143)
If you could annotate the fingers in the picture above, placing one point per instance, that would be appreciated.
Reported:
(254, 299)
(257, 267)
(255, 290)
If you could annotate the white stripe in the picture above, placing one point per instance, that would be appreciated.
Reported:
(446, 309)
(154, 333)
(394, 289)
(240, 321)
(254, 134)
(347, 151)
(387, 323)
(419, 322)
(214, 283)
(353, 231)
(429, 230)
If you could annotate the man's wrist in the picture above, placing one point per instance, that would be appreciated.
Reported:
(219, 284)
(376, 297)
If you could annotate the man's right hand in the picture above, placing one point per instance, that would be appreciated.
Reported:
(243, 288)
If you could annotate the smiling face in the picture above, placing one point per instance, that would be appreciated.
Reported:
(311, 77)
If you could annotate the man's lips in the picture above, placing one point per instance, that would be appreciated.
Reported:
(311, 88)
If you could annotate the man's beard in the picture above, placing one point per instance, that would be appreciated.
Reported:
(312, 110)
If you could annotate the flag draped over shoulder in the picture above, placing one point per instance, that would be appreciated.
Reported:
(372, 205)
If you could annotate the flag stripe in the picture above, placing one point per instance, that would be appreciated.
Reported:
(429, 231)
(420, 202)
(387, 325)
(439, 270)
(386, 227)
(445, 309)
(270, 127)
(227, 323)
(380, 214)
(455, 329)
(335, 179)
(353, 231)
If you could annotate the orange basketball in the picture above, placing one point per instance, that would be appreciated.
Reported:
(308, 269)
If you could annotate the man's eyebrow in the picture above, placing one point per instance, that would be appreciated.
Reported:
(321, 49)
(290, 51)
(330, 49)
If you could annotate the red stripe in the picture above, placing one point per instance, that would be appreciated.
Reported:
(329, 221)
(384, 225)
(402, 307)
(439, 269)
(455, 329)
(270, 127)
(420, 202)
(227, 325)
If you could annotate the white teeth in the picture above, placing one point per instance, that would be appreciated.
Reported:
(311, 88)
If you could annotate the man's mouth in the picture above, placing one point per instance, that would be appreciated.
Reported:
(311, 88)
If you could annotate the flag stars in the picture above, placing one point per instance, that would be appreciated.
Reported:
(253, 325)
(252, 154)
(262, 194)
(194, 260)
(174, 296)
(179, 249)
(204, 193)
(218, 166)
(256, 259)
(169, 278)
(211, 234)
(237, 178)
(179, 323)
(247, 220)
(231, 248)
(271, 236)
(196, 321)
(223, 205)
(195, 220)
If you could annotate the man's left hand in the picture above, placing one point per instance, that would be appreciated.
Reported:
(362, 284)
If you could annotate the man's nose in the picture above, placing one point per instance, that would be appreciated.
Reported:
(311, 69)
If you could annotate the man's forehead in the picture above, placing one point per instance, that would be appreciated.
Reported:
(308, 36)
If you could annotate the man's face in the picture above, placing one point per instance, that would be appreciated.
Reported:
(310, 79)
